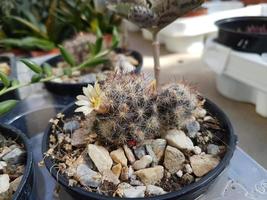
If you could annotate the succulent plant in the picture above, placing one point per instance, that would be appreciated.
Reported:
(176, 104)
(78, 46)
(132, 111)
(128, 109)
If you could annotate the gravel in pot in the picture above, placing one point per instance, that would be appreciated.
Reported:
(16, 165)
(138, 143)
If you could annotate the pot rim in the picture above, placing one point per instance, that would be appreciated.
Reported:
(29, 160)
(191, 188)
(222, 22)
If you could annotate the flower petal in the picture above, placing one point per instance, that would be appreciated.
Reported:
(82, 97)
(87, 90)
(83, 103)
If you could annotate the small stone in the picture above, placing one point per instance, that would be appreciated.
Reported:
(71, 126)
(140, 152)
(173, 160)
(131, 172)
(4, 183)
(117, 169)
(179, 173)
(144, 162)
(188, 169)
(179, 140)
(135, 192)
(129, 154)
(208, 118)
(2, 141)
(192, 128)
(202, 164)
(125, 190)
(188, 178)
(153, 190)
(158, 147)
(197, 150)
(213, 149)
(100, 157)
(15, 156)
(4, 151)
(3, 165)
(125, 173)
(79, 138)
(88, 78)
(151, 176)
(110, 177)
(136, 183)
(118, 156)
(152, 154)
(15, 184)
(200, 113)
(88, 177)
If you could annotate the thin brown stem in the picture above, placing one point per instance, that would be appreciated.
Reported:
(125, 33)
(156, 55)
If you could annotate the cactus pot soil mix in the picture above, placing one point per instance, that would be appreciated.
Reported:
(124, 139)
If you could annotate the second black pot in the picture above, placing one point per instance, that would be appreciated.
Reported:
(74, 89)
(188, 192)
(233, 32)
(25, 188)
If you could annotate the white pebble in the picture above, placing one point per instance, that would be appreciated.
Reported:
(197, 150)
(179, 173)
(188, 169)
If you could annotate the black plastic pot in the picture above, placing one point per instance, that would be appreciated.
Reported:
(233, 33)
(25, 188)
(11, 60)
(74, 89)
(191, 191)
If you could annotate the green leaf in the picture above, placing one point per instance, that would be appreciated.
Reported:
(67, 71)
(36, 78)
(98, 45)
(47, 70)
(99, 33)
(6, 106)
(28, 43)
(32, 65)
(67, 56)
(4, 78)
(92, 62)
(15, 82)
(115, 38)
(31, 26)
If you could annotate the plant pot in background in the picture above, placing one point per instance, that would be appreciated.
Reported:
(11, 61)
(246, 34)
(25, 187)
(191, 191)
(74, 89)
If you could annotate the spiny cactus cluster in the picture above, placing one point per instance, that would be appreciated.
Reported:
(135, 111)
(79, 46)
(176, 104)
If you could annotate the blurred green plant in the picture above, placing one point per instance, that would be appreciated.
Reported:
(43, 24)
(44, 73)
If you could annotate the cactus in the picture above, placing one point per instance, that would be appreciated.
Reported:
(130, 109)
(176, 104)
(78, 46)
